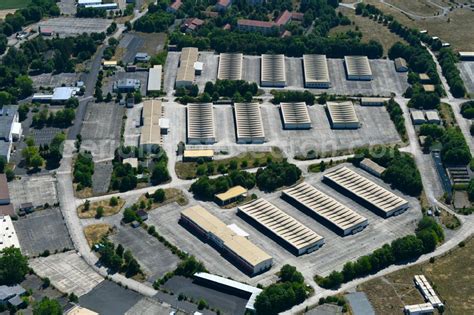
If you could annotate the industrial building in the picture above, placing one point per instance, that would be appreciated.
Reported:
(200, 124)
(417, 117)
(83, 3)
(325, 209)
(8, 236)
(185, 75)
(60, 95)
(127, 85)
(372, 167)
(466, 55)
(358, 68)
(249, 123)
(6, 208)
(103, 6)
(233, 194)
(418, 309)
(366, 192)
(293, 234)
(427, 291)
(154, 79)
(272, 72)
(373, 101)
(150, 135)
(342, 115)
(316, 71)
(194, 155)
(243, 253)
(295, 116)
(230, 66)
(432, 117)
(401, 65)
(10, 129)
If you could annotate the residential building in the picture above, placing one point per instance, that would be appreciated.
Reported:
(263, 27)
(174, 7)
(11, 294)
(223, 5)
(127, 85)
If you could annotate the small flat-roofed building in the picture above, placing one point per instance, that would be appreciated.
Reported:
(429, 87)
(366, 192)
(424, 78)
(372, 167)
(373, 101)
(8, 236)
(418, 309)
(132, 161)
(150, 135)
(401, 65)
(466, 55)
(427, 291)
(325, 209)
(242, 252)
(230, 66)
(142, 57)
(295, 116)
(11, 295)
(249, 123)
(186, 73)
(83, 3)
(198, 67)
(231, 195)
(295, 236)
(316, 71)
(417, 117)
(127, 85)
(358, 68)
(109, 64)
(154, 79)
(342, 115)
(194, 155)
(200, 124)
(79, 310)
(432, 117)
(273, 70)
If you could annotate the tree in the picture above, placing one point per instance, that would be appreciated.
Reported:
(24, 85)
(289, 273)
(47, 307)
(99, 212)
(113, 202)
(160, 174)
(159, 195)
(13, 266)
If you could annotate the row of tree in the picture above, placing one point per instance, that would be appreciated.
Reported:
(428, 235)
(447, 60)
(117, 259)
(228, 88)
(205, 188)
(396, 115)
(83, 170)
(280, 96)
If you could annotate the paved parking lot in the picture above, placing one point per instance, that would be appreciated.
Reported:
(68, 272)
(48, 80)
(153, 256)
(101, 129)
(147, 306)
(67, 7)
(101, 177)
(132, 126)
(43, 135)
(467, 74)
(332, 255)
(69, 26)
(43, 230)
(35, 189)
(171, 70)
(209, 71)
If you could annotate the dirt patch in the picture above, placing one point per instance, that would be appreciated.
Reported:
(171, 195)
(105, 204)
(95, 232)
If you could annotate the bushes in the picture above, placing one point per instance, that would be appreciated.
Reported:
(467, 110)
(423, 100)
(154, 21)
(428, 234)
(232, 89)
(447, 60)
(455, 150)
(276, 175)
(293, 96)
(83, 170)
(205, 188)
(396, 115)
(470, 190)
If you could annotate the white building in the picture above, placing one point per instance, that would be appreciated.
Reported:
(8, 237)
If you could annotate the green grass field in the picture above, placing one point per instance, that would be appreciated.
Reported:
(13, 4)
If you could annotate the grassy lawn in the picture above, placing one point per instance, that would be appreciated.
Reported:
(13, 4)
(108, 209)
(446, 113)
(449, 220)
(95, 232)
(188, 170)
(171, 195)
(419, 7)
(367, 27)
(451, 275)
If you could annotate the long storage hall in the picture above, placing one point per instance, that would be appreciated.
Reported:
(200, 124)
(249, 123)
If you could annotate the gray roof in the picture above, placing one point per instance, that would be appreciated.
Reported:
(63, 93)
(7, 292)
(7, 116)
(4, 147)
(16, 301)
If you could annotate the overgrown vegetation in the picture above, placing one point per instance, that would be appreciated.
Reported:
(156, 20)
(186, 268)
(447, 60)
(396, 115)
(277, 175)
(117, 259)
(83, 170)
(205, 188)
(292, 96)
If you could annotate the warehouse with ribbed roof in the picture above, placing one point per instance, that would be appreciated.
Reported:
(342, 115)
(150, 135)
(368, 193)
(358, 68)
(273, 71)
(325, 209)
(249, 123)
(200, 124)
(295, 116)
(292, 233)
(230, 66)
(316, 71)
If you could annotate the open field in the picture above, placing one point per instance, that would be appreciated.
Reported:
(367, 26)
(451, 276)
(95, 232)
(108, 209)
(171, 195)
(13, 4)
(419, 7)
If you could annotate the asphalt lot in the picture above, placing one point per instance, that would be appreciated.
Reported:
(209, 71)
(360, 305)
(226, 303)
(68, 272)
(43, 135)
(132, 131)
(171, 70)
(153, 256)
(134, 42)
(101, 129)
(101, 177)
(108, 298)
(67, 7)
(467, 74)
(43, 230)
(35, 189)
(48, 80)
(131, 44)
(332, 255)
(147, 306)
(70, 26)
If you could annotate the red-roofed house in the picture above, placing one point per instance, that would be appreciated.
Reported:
(255, 26)
(192, 24)
(286, 34)
(223, 5)
(297, 16)
(283, 19)
(174, 7)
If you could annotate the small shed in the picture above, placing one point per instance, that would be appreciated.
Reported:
(372, 167)
(432, 117)
(401, 65)
(233, 194)
(417, 117)
(142, 214)
(193, 155)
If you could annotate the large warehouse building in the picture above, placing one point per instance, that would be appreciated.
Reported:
(358, 68)
(316, 71)
(244, 254)
(150, 135)
(273, 72)
(200, 124)
(295, 116)
(185, 75)
(368, 193)
(342, 115)
(249, 123)
(325, 209)
(154, 79)
(296, 236)
(230, 66)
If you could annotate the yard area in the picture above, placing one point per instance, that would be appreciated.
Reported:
(450, 275)
(13, 4)
(108, 208)
(95, 232)
(171, 195)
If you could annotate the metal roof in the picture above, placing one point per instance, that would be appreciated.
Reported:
(273, 70)
(427, 290)
(372, 165)
(248, 119)
(432, 115)
(324, 206)
(316, 69)
(8, 236)
(154, 78)
(281, 224)
(295, 113)
(231, 193)
(230, 66)
(376, 100)
(417, 115)
(189, 55)
(63, 93)
(151, 131)
(239, 245)
(200, 121)
(198, 153)
(366, 189)
(358, 66)
(343, 112)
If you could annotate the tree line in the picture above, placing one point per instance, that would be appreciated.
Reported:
(280, 96)
(83, 170)
(447, 60)
(277, 175)
(396, 115)
(467, 110)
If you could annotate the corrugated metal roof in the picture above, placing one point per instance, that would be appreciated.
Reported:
(233, 192)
